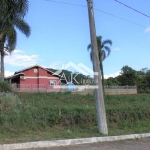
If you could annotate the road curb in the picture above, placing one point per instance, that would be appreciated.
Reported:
(55, 143)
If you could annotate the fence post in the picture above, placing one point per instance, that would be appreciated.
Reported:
(117, 90)
(85, 87)
(46, 87)
(136, 89)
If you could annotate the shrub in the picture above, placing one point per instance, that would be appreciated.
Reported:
(5, 87)
(144, 90)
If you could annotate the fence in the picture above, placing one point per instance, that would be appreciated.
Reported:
(35, 88)
(109, 90)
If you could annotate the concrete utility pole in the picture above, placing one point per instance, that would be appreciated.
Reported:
(100, 106)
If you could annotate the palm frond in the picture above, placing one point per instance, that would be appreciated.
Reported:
(13, 8)
(109, 42)
(106, 48)
(99, 38)
(11, 39)
(89, 47)
(22, 26)
(22, 7)
(103, 55)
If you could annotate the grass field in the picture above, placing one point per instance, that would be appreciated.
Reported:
(47, 116)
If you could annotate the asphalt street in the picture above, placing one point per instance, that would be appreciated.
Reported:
(137, 144)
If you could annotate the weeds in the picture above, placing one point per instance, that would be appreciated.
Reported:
(66, 115)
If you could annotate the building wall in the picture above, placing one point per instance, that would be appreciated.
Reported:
(30, 77)
(40, 77)
(52, 77)
(30, 72)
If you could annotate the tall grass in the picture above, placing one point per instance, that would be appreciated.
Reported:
(5, 87)
(64, 115)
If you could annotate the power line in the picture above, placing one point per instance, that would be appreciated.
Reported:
(97, 10)
(132, 8)
(66, 3)
(120, 18)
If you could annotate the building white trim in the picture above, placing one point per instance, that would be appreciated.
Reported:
(41, 77)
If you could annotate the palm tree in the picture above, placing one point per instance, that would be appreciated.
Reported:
(103, 52)
(11, 18)
(11, 9)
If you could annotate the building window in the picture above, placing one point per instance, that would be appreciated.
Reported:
(52, 82)
(35, 70)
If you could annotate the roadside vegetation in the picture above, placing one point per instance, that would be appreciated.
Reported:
(129, 76)
(4, 87)
(47, 116)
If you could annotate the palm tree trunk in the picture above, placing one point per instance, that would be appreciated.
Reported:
(102, 73)
(2, 61)
(2, 65)
(1, 36)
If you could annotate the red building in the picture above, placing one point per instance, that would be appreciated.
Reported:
(34, 78)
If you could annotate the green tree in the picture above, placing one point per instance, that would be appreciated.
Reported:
(11, 17)
(103, 52)
(111, 81)
(143, 81)
(128, 76)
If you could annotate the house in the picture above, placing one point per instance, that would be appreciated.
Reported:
(34, 78)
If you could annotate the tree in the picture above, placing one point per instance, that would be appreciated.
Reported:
(103, 52)
(128, 76)
(143, 80)
(11, 9)
(11, 17)
(111, 81)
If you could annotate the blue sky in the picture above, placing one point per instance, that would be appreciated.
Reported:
(60, 34)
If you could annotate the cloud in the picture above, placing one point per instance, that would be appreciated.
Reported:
(19, 58)
(147, 30)
(8, 73)
(116, 49)
(112, 75)
(17, 51)
(56, 65)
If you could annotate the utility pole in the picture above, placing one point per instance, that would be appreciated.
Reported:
(100, 106)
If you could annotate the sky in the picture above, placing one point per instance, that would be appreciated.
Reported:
(60, 34)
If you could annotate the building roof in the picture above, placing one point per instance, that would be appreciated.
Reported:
(20, 72)
(32, 67)
(14, 76)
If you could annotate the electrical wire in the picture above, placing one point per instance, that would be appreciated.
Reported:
(99, 11)
(120, 18)
(66, 3)
(132, 8)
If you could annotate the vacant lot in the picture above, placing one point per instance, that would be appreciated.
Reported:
(46, 116)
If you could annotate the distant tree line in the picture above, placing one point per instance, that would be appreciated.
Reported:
(131, 77)
(128, 76)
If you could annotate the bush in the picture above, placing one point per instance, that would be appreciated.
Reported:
(144, 91)
(5, 87)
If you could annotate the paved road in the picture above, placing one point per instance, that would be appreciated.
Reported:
(138, 144)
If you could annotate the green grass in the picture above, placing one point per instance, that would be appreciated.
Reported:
(47, 116)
